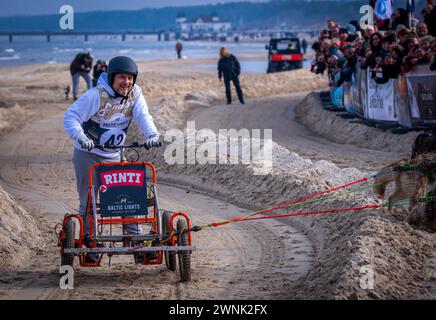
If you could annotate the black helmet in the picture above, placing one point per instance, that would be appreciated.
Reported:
(121, 64)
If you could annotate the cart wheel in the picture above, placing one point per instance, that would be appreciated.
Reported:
(170, 256)
(184, 256)
(70, 230)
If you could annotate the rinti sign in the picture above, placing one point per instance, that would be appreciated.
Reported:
(119, 178)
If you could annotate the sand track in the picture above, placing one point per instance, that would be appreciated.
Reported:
(239, 261)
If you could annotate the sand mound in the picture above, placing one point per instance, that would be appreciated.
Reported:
(259, 85)
(327, 124)
(11, 115)
(20, 234)
(207, 97)
(172, 111)
(167, 108)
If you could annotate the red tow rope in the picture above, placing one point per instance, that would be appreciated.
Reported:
(311, 196)
(371, 206)
(245, 218)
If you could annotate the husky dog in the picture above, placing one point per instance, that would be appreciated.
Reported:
(424, 143)
(405, 181)
(425, 213)
(412, 178)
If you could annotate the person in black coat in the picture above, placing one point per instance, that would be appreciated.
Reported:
(179, 48)
(430, 19)
(400, 16)
(80, 67)
(433, 51)
(230, 69)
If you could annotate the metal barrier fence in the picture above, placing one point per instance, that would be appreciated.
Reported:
(409, 101)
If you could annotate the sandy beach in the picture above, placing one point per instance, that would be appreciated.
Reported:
(310, 257)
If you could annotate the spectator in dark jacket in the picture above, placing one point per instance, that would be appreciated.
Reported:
(416, 56)
(425, 12)
(433, 50)
(349, 65)
(400, 16)
(304, 45)
(422, 29)
(99, 68)
(389, 70)
(179, 48)
(430, 19)
(230, 69)
(374, 50)
(80, 67)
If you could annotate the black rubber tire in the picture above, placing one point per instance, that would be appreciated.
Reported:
(184, 256)
(170, 256)
(67, 259)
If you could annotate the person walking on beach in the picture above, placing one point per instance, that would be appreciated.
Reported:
(179, 48)
(304, 45)
(80, 67)
(230, 69)
(102, 116)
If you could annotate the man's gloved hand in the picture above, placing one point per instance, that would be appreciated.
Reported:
(153, 141)
(85, 142)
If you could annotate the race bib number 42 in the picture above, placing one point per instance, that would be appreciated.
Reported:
(113, 137)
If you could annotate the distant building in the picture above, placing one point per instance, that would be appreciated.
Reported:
(202, 24)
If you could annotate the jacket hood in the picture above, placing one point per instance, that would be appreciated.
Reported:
(104, 83)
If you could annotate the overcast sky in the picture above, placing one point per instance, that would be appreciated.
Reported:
(38, 7)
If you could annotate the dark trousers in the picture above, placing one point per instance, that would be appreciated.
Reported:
(179, 54)
(237, 87)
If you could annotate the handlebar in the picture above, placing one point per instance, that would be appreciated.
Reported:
(126, 146)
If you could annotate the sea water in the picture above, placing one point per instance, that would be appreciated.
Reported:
(61, 49)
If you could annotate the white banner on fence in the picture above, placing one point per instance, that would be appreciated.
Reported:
(380, 101)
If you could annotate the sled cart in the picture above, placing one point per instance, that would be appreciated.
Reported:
(122, 196)
(284, 54)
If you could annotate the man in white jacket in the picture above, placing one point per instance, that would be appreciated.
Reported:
(101, 116)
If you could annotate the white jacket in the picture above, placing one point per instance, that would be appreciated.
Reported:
(102, 117)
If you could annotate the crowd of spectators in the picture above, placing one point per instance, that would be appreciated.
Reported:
(387, 49)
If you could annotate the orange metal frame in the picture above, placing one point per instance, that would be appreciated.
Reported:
(109, 221)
